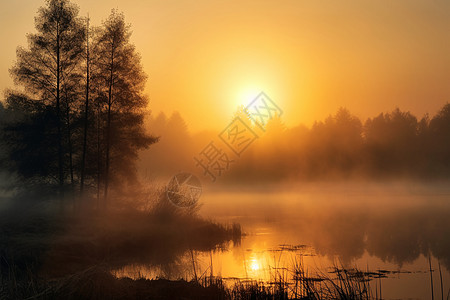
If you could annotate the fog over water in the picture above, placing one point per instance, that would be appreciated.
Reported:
(391, 227)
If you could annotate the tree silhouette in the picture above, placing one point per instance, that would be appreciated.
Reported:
(174, 151)
(30, 137)
(86, 110)
(121, 82)
(392, 141)
(334, 145)
(47, 69)
(80, 117)
(439, 130)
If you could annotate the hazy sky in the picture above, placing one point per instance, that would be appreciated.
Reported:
(204, 57)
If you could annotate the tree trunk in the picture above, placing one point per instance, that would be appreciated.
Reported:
(69, 141)
(86, 113)
(108, 126)
(58, 113)
(108, 145)
(99, 161)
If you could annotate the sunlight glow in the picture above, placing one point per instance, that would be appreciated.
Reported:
(247, 95)
(254, 264)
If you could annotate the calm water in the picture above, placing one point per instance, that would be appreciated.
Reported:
(373, 228)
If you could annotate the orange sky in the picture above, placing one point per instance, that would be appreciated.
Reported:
(206, 57)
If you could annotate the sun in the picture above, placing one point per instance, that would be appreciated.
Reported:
(246, 95)
(254, 265)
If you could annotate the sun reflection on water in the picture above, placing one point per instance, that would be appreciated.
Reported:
(254, 265)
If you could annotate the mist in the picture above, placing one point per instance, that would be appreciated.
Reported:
(104, 197)
(394, 145)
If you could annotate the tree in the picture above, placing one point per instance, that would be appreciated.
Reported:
(30, 139)
(86, 111)
(80, 117)
(335, 144)
(392, 142)
(440, 140)
(121, 87)
(174, 150)
(47, 71)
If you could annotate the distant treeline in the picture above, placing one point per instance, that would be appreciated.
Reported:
(390, 145)
(77, 123)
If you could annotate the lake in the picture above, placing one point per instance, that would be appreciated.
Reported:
(390, 231)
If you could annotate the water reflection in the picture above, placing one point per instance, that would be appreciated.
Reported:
(387, 232)
(394, 227)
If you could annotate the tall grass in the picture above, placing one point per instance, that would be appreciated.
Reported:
(297, 282)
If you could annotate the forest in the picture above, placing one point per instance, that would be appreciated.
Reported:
(392, 145)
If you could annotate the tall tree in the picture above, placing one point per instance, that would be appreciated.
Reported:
(49, 63)
(123, 82)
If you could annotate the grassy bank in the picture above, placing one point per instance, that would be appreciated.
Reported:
(46, 252)
(98, 283)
